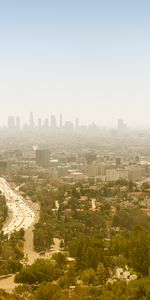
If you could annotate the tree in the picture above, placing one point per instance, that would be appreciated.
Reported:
(139, 251)
(69, 277)
(60, 259)
(89, 276)
(47, 292)
(102, 274)
(41, 270)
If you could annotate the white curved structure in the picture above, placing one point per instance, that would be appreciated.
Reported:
(22, 215)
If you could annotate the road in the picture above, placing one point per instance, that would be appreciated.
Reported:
(29, 253)
(22, 216)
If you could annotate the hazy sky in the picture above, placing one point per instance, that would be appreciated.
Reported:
(81, 58)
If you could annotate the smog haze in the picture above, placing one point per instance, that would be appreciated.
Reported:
(85, 59)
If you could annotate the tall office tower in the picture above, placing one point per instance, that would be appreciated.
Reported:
(18, 123)
(11, 122)
(43, 157)
(39, 123)
(69, 126)
(46, 123)
(121, 126)
(31, 121)
(53, 122)
(60, 121)
(76, 123)
(118, 161)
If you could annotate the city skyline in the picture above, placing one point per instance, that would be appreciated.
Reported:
(82, 58)
(54, 122)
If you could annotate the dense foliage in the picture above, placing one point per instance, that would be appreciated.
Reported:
(41, 270)
(115, 234)
(3, 210)
(11, 253)
(137, 290)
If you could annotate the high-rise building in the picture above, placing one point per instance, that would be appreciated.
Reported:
(118, 161)
(46, 123)
(39, 123)
(111, 175)
(31, 121)
(69, 126)
(136, 172)
(53, 122)
(122, 127)
(92, 170)
(60, 121)
(18, 123)
(11, 122)
(116, 174)
(76, 123)
(43, 157)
